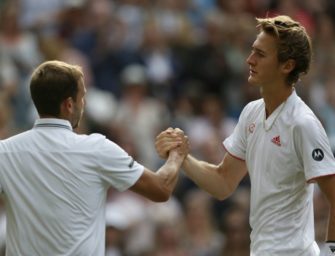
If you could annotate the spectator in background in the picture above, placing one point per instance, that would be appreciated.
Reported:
(22, 49)
(169, 241)
(210, 125)
(7, 128)
(169, 229)
(296, 10)
(202, 237)
(114, 239)
(139, 117)
(8, 87)
(327, 109)
(159, 61)
(132, 14)
(236, 232)
(40, 16)
(124, 213)
(8, 75)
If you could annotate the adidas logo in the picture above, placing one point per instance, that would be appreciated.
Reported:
(276, 140)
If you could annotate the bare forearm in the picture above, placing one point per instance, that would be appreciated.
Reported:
(331, 225)
(207, 177)
(326, 184)
(169, 172)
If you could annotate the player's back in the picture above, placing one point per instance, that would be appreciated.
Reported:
(54, 195)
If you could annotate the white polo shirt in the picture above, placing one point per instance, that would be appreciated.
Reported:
(282, 154)
(54, 183)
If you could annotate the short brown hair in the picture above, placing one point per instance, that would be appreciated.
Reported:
(293, 43)
(51, 83)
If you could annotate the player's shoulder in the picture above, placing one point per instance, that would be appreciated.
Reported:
(89, 141)
(93, 138)
(23, 136)
(300, 115)
(97, 142)
(307, 121)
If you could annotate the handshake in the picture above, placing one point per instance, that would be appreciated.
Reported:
(172, 141)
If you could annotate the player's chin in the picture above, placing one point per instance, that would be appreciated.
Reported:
(252, 80)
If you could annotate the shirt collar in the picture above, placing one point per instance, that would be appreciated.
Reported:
(53, 123)
(292, 98)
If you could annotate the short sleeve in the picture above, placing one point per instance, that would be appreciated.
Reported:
(236, 143)
(313, 148)
(116, 167)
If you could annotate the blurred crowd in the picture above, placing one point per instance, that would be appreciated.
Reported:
(151, 64)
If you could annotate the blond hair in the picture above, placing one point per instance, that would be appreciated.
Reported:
(293, 43)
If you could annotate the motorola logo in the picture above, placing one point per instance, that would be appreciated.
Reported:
(317, 154)
(130, 165)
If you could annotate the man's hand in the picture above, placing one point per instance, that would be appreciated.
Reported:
(183, 148)
(171, 139)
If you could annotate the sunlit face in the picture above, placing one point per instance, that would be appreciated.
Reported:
(264, 67)
(79, 104)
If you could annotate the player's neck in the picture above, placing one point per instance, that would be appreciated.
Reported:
(275, 97)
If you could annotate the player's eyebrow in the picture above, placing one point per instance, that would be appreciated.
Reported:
(254, 48)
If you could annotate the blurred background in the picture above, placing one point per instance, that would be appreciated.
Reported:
(151, 64)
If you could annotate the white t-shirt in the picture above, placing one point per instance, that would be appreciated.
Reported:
(54, 183)
(283, 155)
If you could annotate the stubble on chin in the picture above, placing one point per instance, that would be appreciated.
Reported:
(76, 125)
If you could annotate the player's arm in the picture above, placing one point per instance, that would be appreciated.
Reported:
(158, 186)
(326, 185)
(218, 180)
(308, 136)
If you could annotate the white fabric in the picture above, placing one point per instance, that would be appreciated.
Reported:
(54, 182)
(328, 249)
(280, 164)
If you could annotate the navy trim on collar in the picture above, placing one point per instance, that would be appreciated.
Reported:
(53, 123)
(53, 126)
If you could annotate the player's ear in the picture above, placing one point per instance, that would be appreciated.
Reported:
(288, 66)
(67, 106)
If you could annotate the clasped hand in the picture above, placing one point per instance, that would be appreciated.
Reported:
(172, 139)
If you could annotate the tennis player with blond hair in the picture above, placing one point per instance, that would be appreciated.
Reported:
(280, 143)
